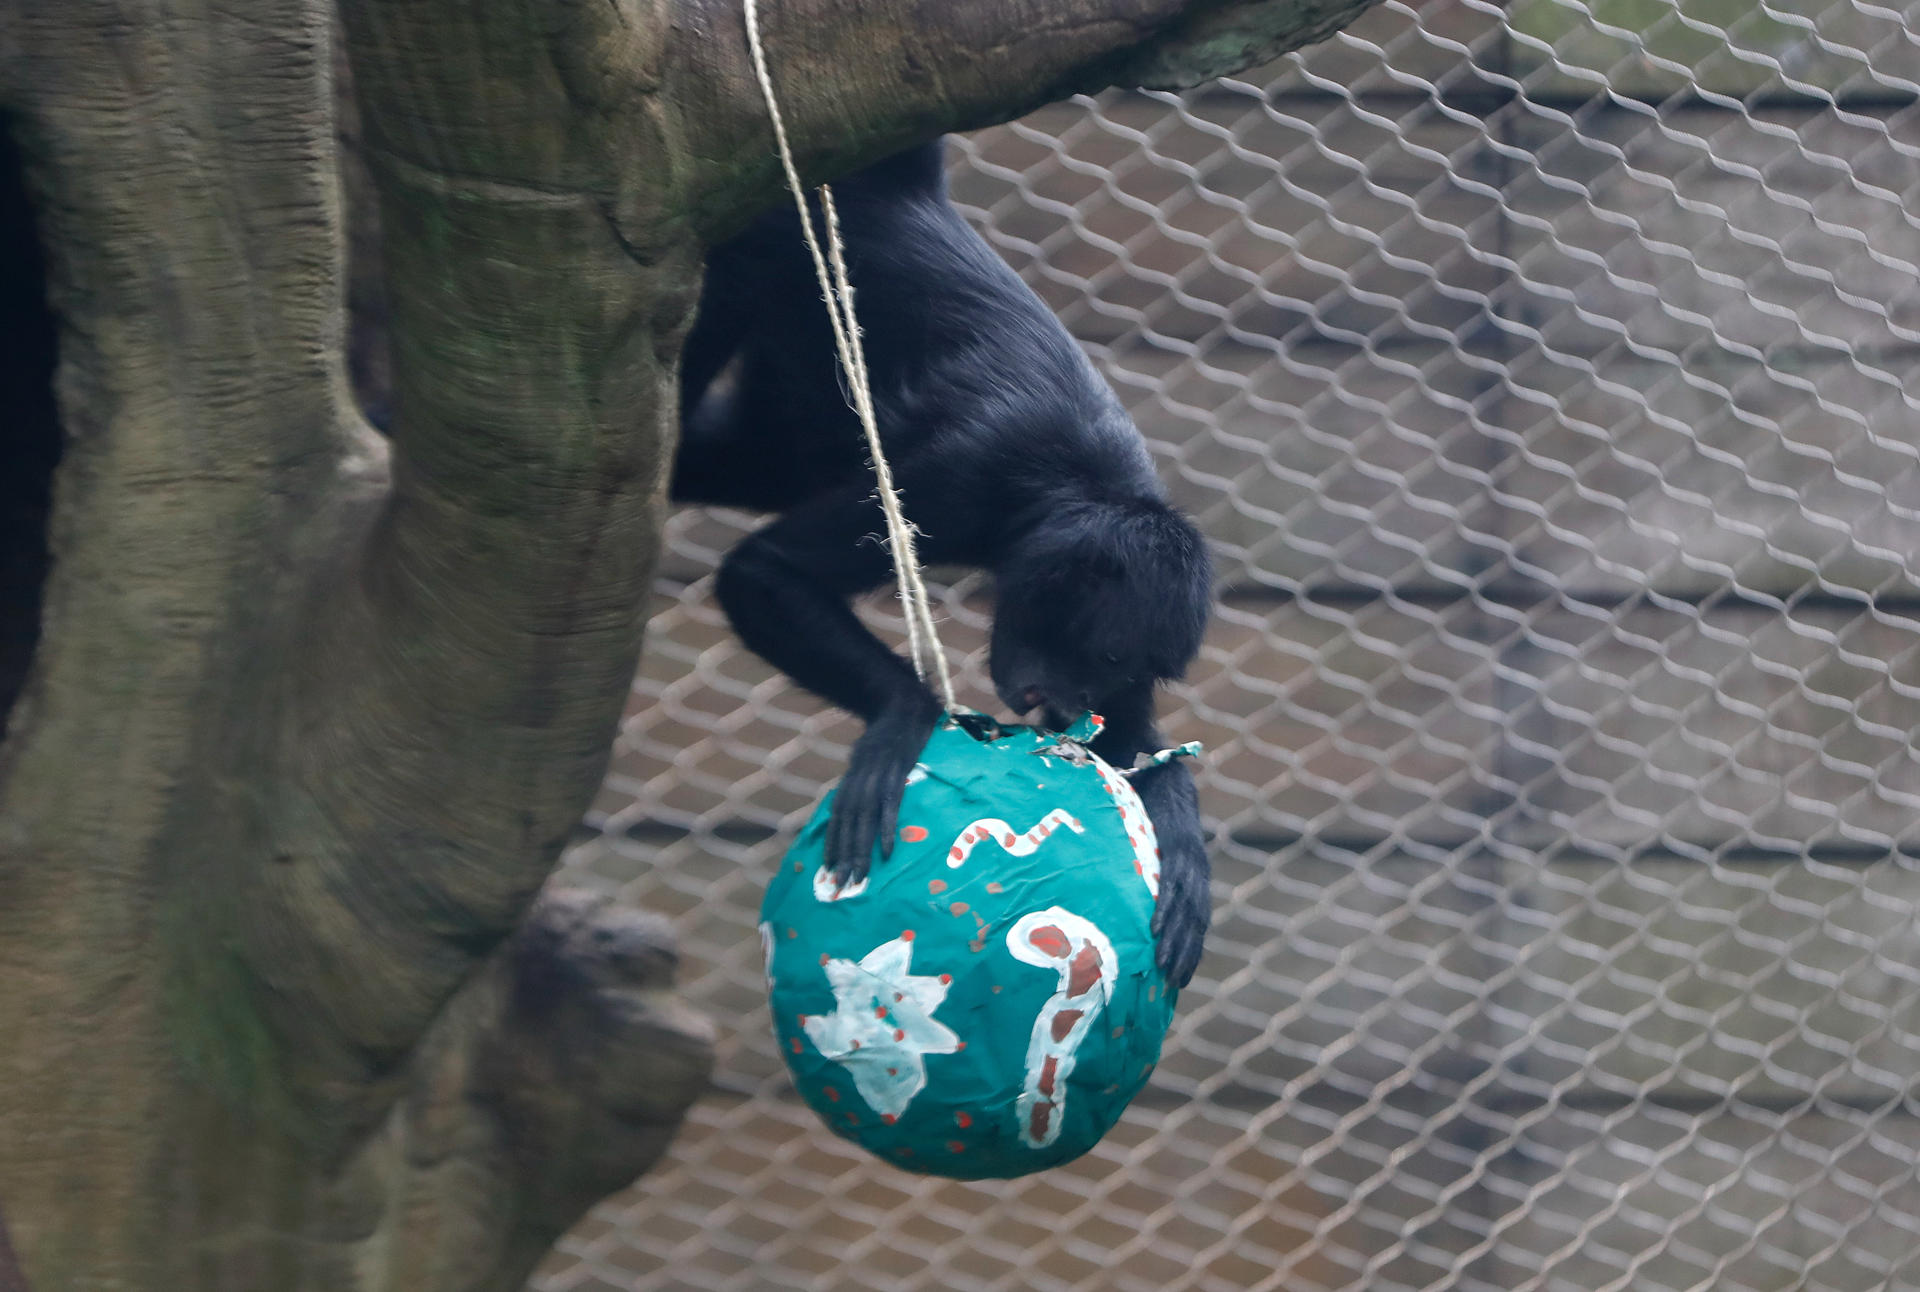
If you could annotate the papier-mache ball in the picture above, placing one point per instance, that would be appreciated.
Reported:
(985, 1002)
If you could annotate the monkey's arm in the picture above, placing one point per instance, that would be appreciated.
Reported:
(785, 589)
(1184, 909)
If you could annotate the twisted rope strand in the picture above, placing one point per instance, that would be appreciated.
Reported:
(923, 643)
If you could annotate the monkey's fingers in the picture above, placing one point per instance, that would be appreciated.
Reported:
(850, 830)
(891, 793)
(849, 839)
(871, 790)
(1163, 907)
(1176, 945)
(866, 811)
(1179, 954)
(1179, 927)
(845, 872)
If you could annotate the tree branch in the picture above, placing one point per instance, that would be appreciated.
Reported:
(859, 79)
(464, 657)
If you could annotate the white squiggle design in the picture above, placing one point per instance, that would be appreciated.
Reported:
(1139, 827)
(1019, 845)
(1076, 949)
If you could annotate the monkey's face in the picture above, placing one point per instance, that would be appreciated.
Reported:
(1066, 653)
(1097, 600)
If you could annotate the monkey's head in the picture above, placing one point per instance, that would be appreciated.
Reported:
(1097, 599)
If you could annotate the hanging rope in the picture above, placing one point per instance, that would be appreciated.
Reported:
(923, 644)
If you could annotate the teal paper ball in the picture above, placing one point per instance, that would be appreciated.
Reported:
(985, 1003)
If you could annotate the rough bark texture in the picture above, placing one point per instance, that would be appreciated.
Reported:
(311, 715)
(11, 1278)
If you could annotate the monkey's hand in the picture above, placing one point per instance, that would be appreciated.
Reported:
(866, 808)
(1185, 907)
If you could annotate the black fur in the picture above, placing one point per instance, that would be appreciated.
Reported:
(1011, 455)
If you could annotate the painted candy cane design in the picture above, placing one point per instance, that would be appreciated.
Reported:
(1076, 949)
(1019, 845)
(1140, 832)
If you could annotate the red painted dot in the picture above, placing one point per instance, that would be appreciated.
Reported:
(833, 1096)
(1006, 841)
(964, 1119)
(937, 886)
(907, 936)
(824, 957)
(913, 833)
(795, 1043)
(958, 908)
(880, 1011)
(888, 1118)
(899, 1035)
(959, 1046)
(995, 887)
(946, 979)
(955, 1146)
(954, 854)
(1076, 822)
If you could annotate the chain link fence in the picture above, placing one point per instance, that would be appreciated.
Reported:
(1543, 377)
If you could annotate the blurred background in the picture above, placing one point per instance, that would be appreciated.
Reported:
(1544, 377)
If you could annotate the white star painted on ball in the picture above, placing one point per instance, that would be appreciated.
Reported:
(882, 1027)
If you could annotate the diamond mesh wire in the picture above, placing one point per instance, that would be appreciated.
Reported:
(1542, 375)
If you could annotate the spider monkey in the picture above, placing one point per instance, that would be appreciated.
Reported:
(1011, 455)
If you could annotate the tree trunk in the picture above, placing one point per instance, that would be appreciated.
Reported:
(310, 715)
